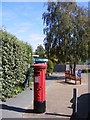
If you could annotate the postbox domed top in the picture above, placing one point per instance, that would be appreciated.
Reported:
(40, 66)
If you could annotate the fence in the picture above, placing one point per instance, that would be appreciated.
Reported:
(62, 68)
(59, 68)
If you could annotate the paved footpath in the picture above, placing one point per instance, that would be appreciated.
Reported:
(59, 96)
(14, 107)
(58, 100)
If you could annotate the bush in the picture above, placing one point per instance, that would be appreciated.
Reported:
(49, 67)
(17, 89)
(84, 70)
(14, 64)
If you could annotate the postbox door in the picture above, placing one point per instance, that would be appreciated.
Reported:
(43, 85)
(37, 87)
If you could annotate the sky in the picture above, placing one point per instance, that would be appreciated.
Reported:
(24, 20)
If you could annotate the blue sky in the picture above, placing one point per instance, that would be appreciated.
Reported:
(24, 20)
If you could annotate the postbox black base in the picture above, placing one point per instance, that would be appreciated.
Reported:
(39, 107)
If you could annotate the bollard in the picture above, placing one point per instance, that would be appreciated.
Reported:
(74, 101)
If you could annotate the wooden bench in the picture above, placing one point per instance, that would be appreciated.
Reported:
(72, 77)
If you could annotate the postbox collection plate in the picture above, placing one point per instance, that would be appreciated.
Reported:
(36, 79)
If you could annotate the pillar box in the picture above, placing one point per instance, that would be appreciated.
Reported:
(39, 88)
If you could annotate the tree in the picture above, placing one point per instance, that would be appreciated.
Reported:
(66, 31)
(40, 51)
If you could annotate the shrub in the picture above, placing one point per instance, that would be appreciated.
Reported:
(14, 64)
(84, 70)
(17, 89)
(49, 67)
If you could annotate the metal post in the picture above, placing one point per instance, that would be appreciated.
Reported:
(74, 101)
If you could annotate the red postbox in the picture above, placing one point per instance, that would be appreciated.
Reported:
(39, 88)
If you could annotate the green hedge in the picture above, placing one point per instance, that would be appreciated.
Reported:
(15, 59)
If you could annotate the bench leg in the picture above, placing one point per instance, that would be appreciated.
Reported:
(75, 81)
(80, 81)
(65, 80)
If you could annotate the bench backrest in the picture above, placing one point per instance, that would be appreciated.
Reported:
(67, 71)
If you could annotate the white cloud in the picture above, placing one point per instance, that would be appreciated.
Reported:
(24, 27)
(35, 40)
(36, 37)
(8, 15)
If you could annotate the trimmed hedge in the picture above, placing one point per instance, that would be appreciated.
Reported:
(15, 59)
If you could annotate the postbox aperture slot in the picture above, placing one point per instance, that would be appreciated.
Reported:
(37, 73)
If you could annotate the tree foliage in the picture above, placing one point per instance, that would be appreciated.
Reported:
(66, 31)
(15, 61)
(40, 51)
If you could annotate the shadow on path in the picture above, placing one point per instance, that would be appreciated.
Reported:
(16, 109)
(61, 79)
(56, 114)
(66, 83)
(83, 107)
(55, 78)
